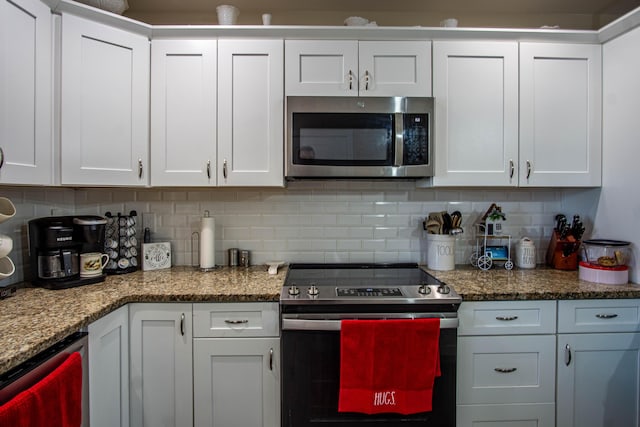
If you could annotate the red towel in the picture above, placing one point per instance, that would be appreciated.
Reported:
(55, 401)
(388, 365)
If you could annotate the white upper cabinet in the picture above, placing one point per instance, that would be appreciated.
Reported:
(183, 112)
(25, 93)
(560, 115)
(250, 113)
(475, 86)
(105, 105)
(352, 68)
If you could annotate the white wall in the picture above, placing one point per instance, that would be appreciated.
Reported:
(618, 213)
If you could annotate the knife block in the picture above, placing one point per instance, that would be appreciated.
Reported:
(562, 254)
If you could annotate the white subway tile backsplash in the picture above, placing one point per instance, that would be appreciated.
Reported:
(309, 221)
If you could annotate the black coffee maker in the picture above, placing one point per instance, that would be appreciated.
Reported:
(55, 245)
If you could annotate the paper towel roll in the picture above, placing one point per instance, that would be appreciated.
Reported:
(207, 242)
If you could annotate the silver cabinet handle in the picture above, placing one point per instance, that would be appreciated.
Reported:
(224, 169)
(139, 168)
(606, 316)
(236, 322)
(567, 355)
(271, 359)
(512, 169)
(528, 169)
(209, 169)
(505, 370)
(182, 324)
(367, 77)
(506, 318)
(1, 157)
(350, 76)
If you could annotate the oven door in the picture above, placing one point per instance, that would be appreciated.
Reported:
(311, 378)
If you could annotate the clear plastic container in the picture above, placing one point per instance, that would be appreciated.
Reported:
(606, 253)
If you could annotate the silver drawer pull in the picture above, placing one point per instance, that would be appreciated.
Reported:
(606, 316)
(236, 322)
(506, 318)
(505, 370)
(271, 359)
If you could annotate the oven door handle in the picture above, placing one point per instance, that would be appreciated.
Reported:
(334, 325)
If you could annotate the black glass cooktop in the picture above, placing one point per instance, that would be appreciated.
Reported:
(359, 276)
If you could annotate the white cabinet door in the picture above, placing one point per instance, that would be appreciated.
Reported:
(394, 68)
(250, 113)
(236, 382)
(352, 68)
(598, 380)
(105, 105)
(161, 393)
(560, 114)
(475, 86)
(321, 67)
(527, 415)
(183, 112)
(109, 370)
(26, 142)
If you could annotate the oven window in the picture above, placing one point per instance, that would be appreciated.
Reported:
(311, 381)
(343, 139)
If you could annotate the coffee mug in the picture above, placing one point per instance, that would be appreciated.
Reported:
(7, 209)
(6, 244)
(7, 268)
(92, 263)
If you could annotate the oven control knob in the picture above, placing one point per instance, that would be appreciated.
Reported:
(293, 290)
(444, 289)
(313, 290)
(424, 289)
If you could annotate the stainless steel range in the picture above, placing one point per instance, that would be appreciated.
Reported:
(313, 302)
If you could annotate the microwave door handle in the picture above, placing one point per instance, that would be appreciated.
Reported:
(399, 139)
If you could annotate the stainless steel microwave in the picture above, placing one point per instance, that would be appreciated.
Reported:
(353, 137)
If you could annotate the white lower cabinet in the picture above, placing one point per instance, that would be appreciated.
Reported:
(598, 380)
(522, 415)
(236, 382)
(109, 370)
(506, 364)
(236, 365)
(161, 386)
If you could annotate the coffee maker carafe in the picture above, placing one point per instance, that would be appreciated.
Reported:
(55, 245)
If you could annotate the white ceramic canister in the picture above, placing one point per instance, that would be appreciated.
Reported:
(441, 251)
(525, 253)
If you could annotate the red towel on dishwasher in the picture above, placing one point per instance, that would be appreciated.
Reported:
(55, 401)
(388, 365)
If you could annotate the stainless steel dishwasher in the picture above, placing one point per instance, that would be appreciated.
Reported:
(30, 372)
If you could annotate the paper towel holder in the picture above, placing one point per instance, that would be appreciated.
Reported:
(195, 237)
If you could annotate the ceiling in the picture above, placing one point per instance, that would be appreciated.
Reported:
(569, 14)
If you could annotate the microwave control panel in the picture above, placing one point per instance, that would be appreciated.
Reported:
(416, 139)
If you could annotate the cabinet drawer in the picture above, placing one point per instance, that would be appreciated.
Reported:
(512, 369)
(235, 320)
(616, 315)
(507, 318)
(527, 415)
